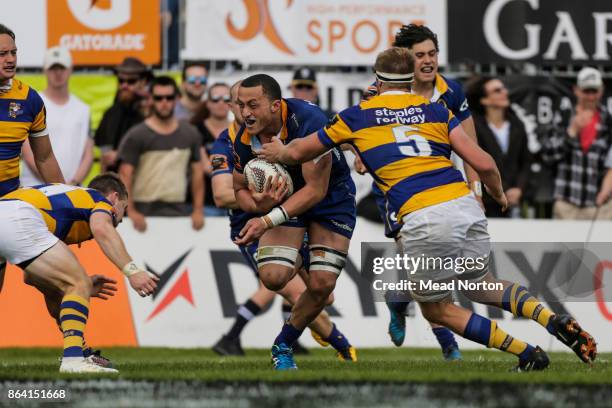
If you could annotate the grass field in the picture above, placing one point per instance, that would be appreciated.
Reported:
(385, 377)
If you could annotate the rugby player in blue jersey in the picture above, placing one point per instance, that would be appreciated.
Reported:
(224, 196)
(323, 205)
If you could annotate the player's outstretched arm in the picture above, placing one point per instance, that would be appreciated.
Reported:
(45, 160)
(298, 151)
(113, 247)
(480, 161)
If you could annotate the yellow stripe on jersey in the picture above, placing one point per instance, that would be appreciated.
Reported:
(399, 170)
(22, 113)
(65, 209)
(404, 142)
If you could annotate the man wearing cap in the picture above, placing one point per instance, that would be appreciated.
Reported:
(304, 86)
(124, 113)
(580, 152)
(68, 121)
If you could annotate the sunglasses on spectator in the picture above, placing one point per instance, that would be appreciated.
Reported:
(192, 79)
(129, 81)
(224, 98)
(158, 98)
(304, 87)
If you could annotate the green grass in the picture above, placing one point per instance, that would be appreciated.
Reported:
(374, 366)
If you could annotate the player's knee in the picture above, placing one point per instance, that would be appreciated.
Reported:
(274, 278)
(321, 285)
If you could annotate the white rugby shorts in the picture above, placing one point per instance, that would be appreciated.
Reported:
(453, 230)
(24, 235)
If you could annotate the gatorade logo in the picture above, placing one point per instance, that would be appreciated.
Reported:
(104, 32)
(258, 21)
(101, 14)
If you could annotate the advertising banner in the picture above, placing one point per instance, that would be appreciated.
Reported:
(550, 32)
(98, 32)
(203, 278)
(342, 32)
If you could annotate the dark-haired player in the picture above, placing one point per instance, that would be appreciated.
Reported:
(38, 223)
(223, 192)
(323, 205)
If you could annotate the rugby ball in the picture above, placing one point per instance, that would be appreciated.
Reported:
(257, 172)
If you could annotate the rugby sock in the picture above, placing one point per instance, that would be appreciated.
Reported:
(445, 338)
(518, 301)
(286, 311)
(485, 331)
(246, 312)
(73, 317)
(288, 335)
(337, 339)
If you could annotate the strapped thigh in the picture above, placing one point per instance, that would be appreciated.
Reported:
(278, 255)
(324, 258)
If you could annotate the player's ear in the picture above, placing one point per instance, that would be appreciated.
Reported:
(113, 197)
(275, 106)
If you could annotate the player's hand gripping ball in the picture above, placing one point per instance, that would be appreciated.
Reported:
(257, 172)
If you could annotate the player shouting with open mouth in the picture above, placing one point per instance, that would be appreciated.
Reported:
(323, 205)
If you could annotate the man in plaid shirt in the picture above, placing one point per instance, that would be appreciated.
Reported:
(580, 152)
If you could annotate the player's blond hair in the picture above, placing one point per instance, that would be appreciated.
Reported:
(395, 60)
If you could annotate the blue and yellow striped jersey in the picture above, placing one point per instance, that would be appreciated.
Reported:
(66, 209)
(403, 141)
(22, 114)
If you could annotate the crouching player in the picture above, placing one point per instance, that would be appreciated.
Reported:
(405, 143)
(323, 204)
(223, 190)
(38, 223)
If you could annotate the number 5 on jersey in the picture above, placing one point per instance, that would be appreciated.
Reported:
(410, 143)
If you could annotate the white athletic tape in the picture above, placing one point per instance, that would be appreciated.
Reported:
(324, 258)
(278, 255)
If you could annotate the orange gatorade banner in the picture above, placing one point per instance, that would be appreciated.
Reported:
(104, 32)
(25, 321)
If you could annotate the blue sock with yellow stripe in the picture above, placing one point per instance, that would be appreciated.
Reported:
(73, 317)
(485, 331)
(518, 301)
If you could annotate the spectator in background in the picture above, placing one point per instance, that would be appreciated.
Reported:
(501, 134)
(580, 152)
(193, 86)
(605, 193)
(68, 121)
(125, 112)
(211, 119)
(160, 158)
(304, 86)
